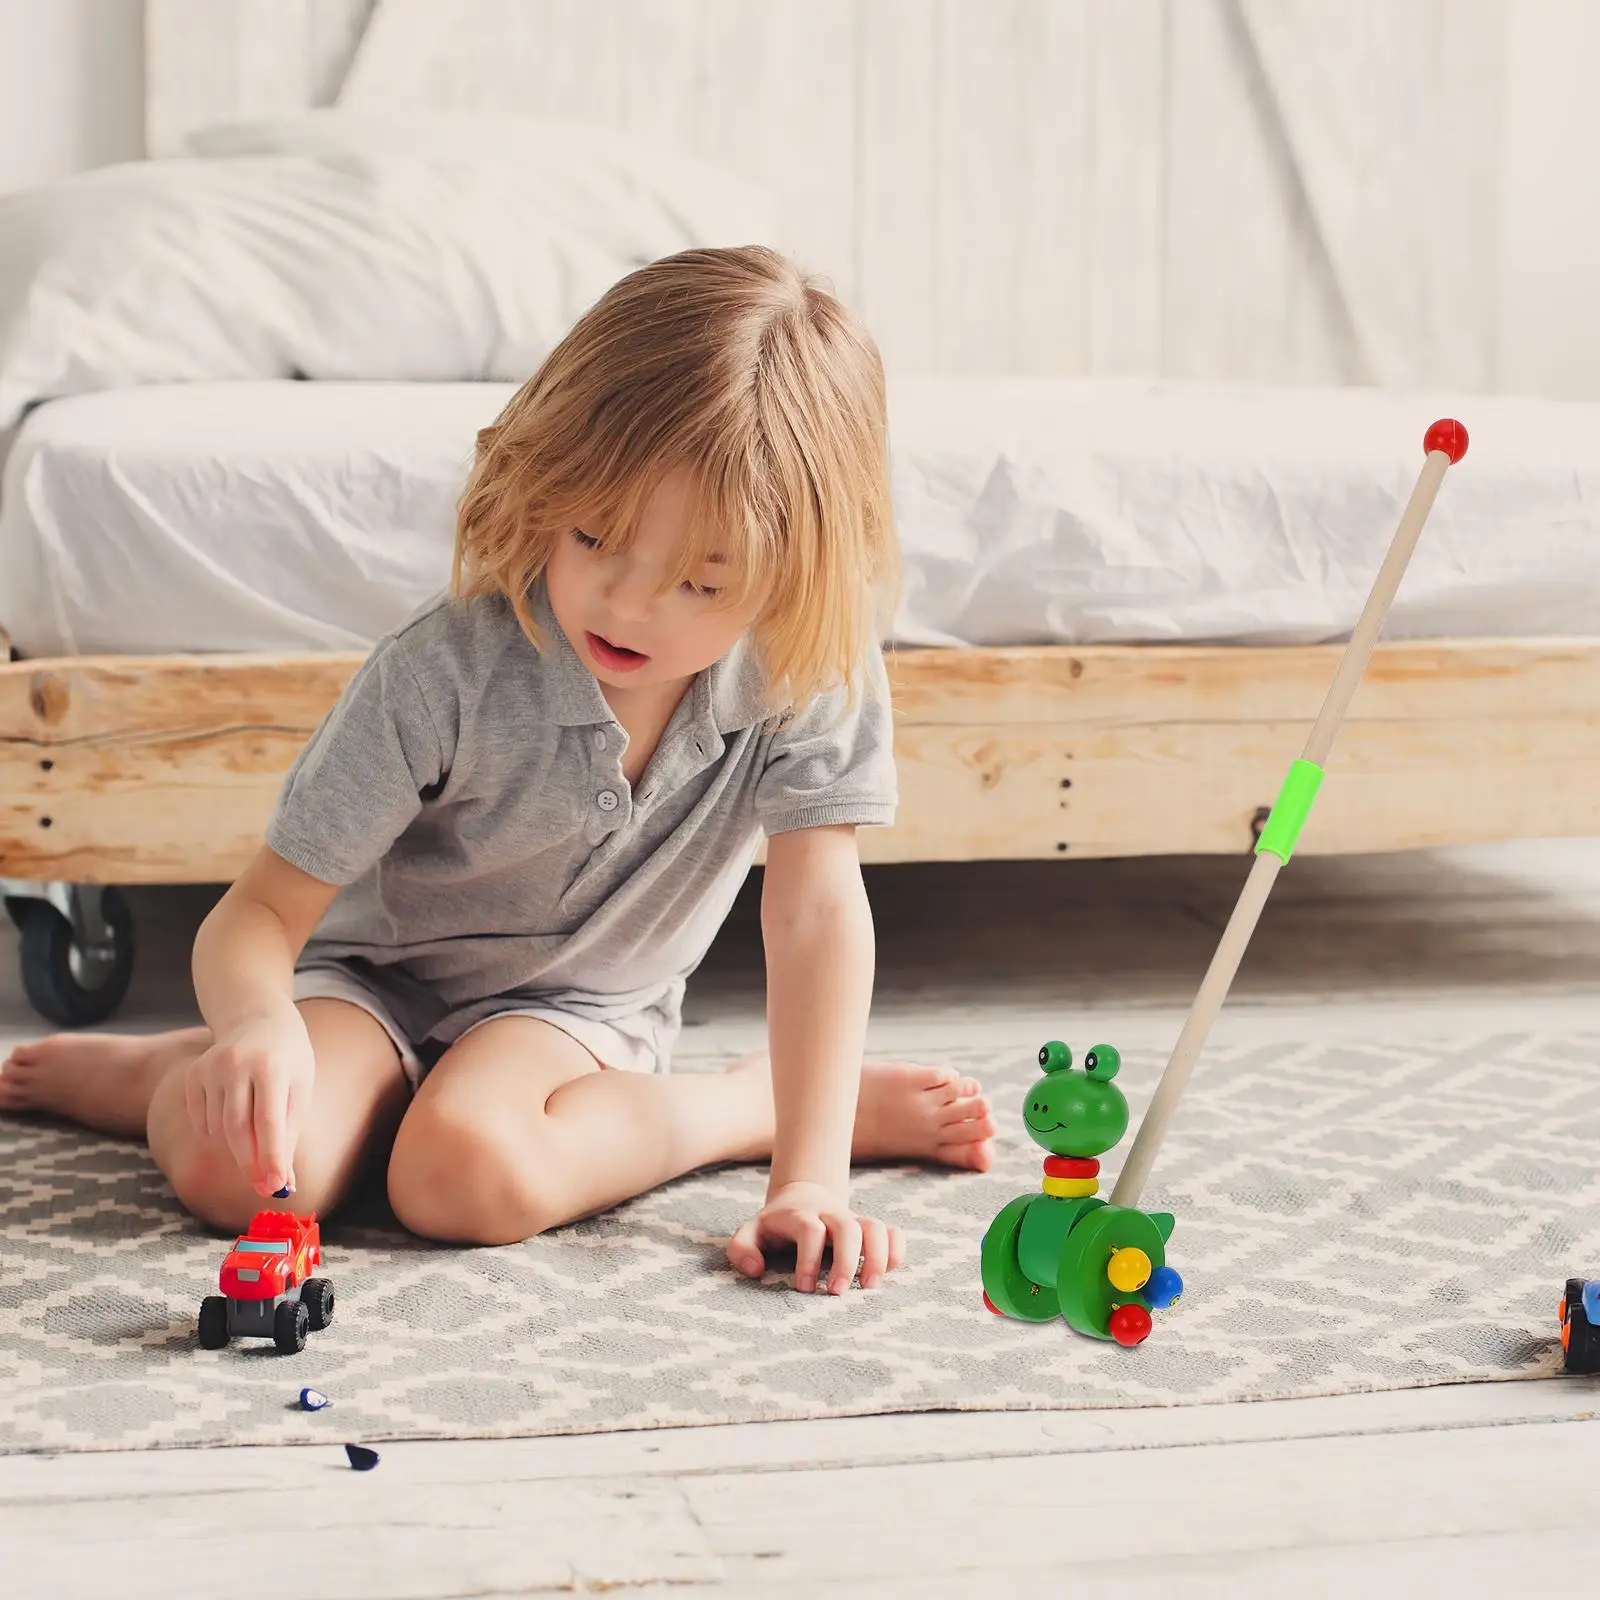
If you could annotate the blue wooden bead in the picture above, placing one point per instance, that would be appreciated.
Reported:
(1164, 1287)
(283, 1193)
(312, 1400)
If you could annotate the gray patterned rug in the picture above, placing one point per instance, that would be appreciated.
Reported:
(1349, 1218)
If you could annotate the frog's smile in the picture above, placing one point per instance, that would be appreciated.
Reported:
(1037, 1129)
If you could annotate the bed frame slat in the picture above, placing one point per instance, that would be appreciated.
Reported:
(165, 770)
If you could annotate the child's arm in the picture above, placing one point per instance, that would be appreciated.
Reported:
(252, 1085)
(353, 789)
(817, 929)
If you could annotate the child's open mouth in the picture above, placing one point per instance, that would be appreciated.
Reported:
(614, 657)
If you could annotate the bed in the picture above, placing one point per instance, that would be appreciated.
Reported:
(1120, 608)
(1059, 691)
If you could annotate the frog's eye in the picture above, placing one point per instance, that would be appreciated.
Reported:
(1102, 1062)
(1053, 1057)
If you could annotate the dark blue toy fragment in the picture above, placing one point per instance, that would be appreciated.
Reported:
(361, 1458)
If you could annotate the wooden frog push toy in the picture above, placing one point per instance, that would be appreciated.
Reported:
(1064, 1252)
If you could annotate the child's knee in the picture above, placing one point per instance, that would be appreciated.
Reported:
(210, 1187)
(205, 1176)
(466, 1180)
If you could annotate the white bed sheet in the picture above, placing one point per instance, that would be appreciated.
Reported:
(306, 516)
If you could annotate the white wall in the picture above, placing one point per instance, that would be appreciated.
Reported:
(72, 96)
(71, 86)
(1550, 261)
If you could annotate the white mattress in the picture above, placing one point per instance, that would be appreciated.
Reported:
(299, 516)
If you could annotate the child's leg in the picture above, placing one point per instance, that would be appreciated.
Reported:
(517, 1130)
(132, 1086)
(102, 1081)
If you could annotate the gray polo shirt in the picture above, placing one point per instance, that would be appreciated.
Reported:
(467, 795)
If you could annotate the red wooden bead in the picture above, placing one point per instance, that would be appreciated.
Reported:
(1129, 1325)
(1448, 435)
(1071, 1167)
(991, 1305)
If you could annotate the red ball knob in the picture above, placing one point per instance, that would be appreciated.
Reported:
(1447, 435)
(1129, 1325)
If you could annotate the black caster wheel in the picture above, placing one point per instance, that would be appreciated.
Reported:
(289, 1325)
(67, 981)
(316, 1294)
(213, 1322)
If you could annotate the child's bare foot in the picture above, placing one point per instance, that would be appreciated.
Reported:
(102, 1080)
(905, 1112)
(921, 1113)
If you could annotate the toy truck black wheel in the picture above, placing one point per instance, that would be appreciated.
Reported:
(316, 1295)
(289, 1325)
(67, 983)
(213, 1322)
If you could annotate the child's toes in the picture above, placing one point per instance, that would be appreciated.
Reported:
(976, 1155)
(966, 1109)
(973, 1131)
(913, 1077)
(968, 1130)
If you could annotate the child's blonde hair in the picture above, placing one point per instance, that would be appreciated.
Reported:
(737, 365)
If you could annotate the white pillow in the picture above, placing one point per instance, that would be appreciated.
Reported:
(379, 266)
(604, 180)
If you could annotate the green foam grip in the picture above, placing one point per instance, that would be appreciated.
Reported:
(1290, 810)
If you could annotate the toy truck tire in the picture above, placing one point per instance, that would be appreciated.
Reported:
(317, 1296)
(289, 1325)
(213, 1322)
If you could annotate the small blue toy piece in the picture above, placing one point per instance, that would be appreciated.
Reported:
(361, 1458)
(283, 1193)
(1063, 1252)
(312, 1400)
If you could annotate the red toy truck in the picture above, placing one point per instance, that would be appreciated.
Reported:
(267, 1288)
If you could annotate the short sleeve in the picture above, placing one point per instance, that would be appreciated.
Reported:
(362, 777)
(831, 764)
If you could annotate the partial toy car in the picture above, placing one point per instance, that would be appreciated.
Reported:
(1580, 1325)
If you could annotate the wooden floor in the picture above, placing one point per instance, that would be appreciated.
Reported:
(1479, 1490)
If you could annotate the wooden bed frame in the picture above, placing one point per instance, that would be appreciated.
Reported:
(130, 770)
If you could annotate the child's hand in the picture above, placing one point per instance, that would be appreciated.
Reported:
(251, 1089)
(808, 1215)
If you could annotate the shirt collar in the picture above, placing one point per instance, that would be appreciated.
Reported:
(730, 694)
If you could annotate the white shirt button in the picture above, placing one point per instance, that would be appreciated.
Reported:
(599, 738)
(607, 800)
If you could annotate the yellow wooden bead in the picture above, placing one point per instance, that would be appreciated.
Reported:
(1070, 1188)
(1129, 1269)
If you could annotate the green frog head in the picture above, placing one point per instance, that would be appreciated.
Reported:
(1076, 1113)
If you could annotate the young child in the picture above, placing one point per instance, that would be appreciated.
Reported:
(463, 945)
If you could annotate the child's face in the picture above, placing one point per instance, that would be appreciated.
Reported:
(628, 632)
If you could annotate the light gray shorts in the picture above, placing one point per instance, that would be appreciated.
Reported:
(626, 1044)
